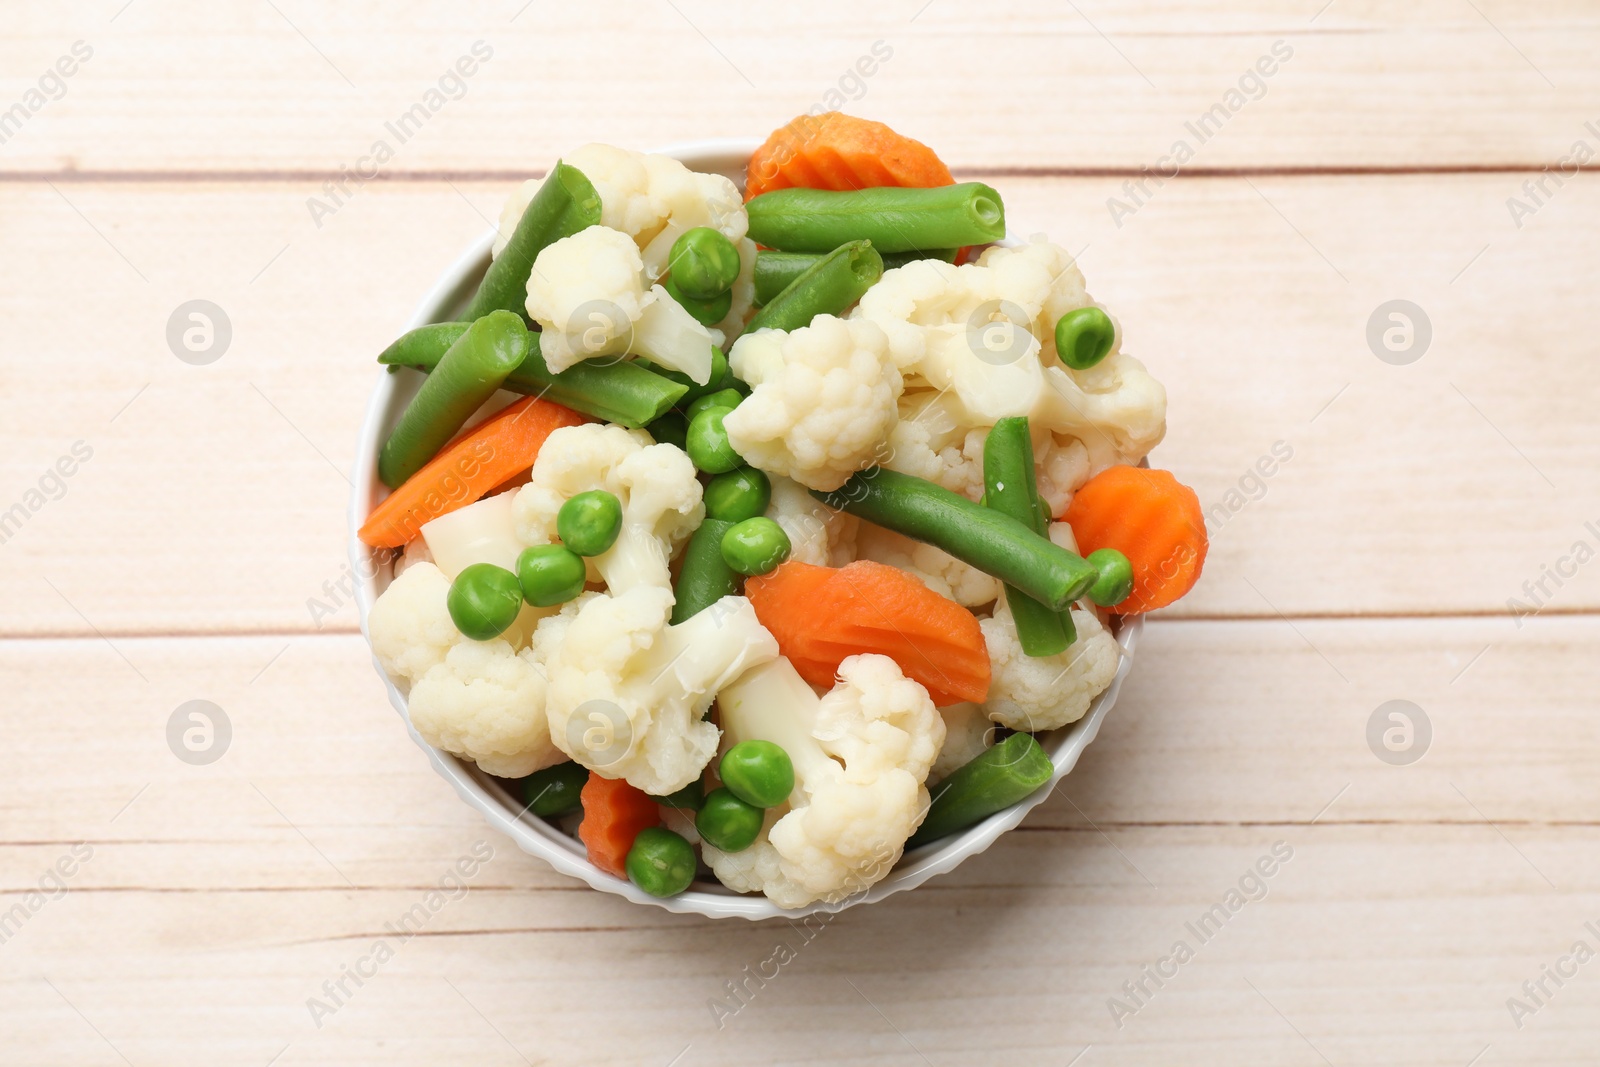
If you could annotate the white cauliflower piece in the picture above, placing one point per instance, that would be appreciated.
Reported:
(655, 483)
(651, 198)
(586, 292)
(410, 625)
(628, 692)
(1115, 408)
(818, 534)
(1061, 466)
(967, 734)
(861, 756)
(485, 702)
(1036, 693)
(939, 570)
(822, 403)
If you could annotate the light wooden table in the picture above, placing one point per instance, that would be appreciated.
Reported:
(186, 557)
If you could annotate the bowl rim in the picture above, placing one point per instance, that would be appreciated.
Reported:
(537, 837)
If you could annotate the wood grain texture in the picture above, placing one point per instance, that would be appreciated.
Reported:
(295, 86)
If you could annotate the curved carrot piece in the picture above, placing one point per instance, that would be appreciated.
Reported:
(613, 814)
(1153, 519)
(838, 151)
(823, 615)
(478, 460)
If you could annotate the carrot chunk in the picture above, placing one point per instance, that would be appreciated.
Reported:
(840, 152)
(478, 460)
(613, 814)
(1153, 519)
(823, 615)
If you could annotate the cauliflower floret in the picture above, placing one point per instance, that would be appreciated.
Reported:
(861, 756)
(628, 692)
(655, 483)
(967, 734)
(410, 625)
(651, 198)
(586, 292)
(485, 702)
(1036, 693)
(1062, 467)
(939, 570)
(1115, 408)
(823, 400)
(817, 533)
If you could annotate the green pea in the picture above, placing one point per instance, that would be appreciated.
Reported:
(704, 263)
(727, 399)
(484, 600)
(554, 790)
(738, 495)
(661, 862)
(728, 823)
(758, 772)
(708, 444)
(670, 429)
(550, 574)
(588, 523)
(705, 312)
(689, 798)
(1083, 337)
(755, 546)
(1115, 579)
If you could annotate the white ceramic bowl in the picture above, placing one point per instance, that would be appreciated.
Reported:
(532, 834)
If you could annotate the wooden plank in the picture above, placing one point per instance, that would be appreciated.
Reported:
(294, 87)
(215, 495)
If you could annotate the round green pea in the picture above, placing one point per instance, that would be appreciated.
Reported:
(704, 263)
(758, 772)
(550, 574)
(689, 798)
(708, 444)
(588, 523)
(554, 790)
(1114, 579)
(728, 823)
(484, 600)
(727, 399)
(670, 429)
(661, 862)
(1083, 337)
(755, 546)
(705, 312)
(738, 495)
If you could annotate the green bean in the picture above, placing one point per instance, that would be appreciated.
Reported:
(894, 219)
(1116, 577)
(827, 287)
(704, 577)
(564, 204)
(991, 782)
(626, 393)
(981, 537)
(721, 378)
(1011, 488)
(775, 270)
(468, 373)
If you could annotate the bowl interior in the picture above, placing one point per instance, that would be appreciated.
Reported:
(490, 796)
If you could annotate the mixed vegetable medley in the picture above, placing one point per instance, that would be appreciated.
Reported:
(814, 508)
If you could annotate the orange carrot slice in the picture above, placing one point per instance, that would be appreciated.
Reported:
(838, 151)
(823, 615)
(613, 814)
(1153, 519)
(466, 469)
